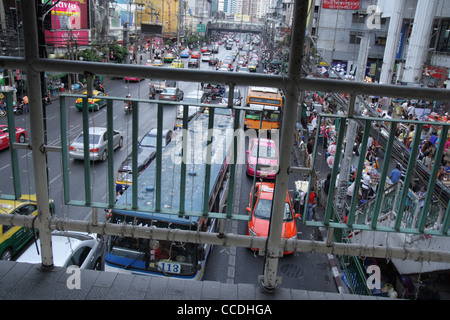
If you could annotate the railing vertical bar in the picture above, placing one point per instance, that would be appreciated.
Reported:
(334, 172)
(110, 133)
(431, 184)
(230, 199)
(446, 221)
(134, 153)
(384, 171)
(86, 148)
(208, 161)
(355, 199)
(159, 156)
(408, 177)
(184, 133)
(12, 140)
(64, 149)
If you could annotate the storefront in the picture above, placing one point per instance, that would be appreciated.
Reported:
(434, 77)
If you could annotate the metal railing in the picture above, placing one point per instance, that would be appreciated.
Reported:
(292, 84)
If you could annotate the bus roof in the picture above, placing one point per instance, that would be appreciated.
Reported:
(171, 171)
(264, 89)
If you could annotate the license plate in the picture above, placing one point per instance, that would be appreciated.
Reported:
(170, 267)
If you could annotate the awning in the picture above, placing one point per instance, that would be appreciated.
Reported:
(55, 75)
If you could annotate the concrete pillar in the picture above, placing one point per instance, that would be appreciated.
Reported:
(395, 26)
(419, 40)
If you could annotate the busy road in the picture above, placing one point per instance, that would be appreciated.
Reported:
(235, 265)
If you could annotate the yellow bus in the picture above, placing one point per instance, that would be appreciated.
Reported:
(268, 102)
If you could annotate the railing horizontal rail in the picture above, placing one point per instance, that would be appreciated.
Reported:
(313, 84)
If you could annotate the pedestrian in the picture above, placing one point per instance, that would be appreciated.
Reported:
(25, 104)
(366, 182)
(312, 201)
(421, 194)
(395, 174)
(326, 185)
(309, 149)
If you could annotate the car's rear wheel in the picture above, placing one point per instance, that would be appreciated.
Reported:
(21, 138)
(6, 255)
(104, 155)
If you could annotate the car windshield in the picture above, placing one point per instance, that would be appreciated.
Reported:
(169, 90)
(149, 140)
(94, 138)
(265, 151)
(264, 207)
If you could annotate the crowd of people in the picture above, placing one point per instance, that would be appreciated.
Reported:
(430, 136)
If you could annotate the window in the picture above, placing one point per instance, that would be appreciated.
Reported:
(26, 209)
(355, 37)
(380, 40)
(79, 256)
(443, 44)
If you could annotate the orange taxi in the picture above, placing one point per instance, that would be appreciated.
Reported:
(260, 206)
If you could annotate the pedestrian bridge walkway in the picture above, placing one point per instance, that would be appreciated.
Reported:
(23, 281)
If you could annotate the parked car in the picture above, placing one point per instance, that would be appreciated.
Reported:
(237, 97)
(149, 140)
(266, 152)
(195, 54)
(243, 70)
(185, 53)
(260, 206)
(14, 238)
(98, 143)
(177, 63)
(158, 85)
(193, 63)
(21, 136)
(158, 63)
(135, 79)
(213, 61)
(85, 250)
(191, 99)
(171, 94)
(94, 103)
(251, 66)
(169, 58)
(206, 56)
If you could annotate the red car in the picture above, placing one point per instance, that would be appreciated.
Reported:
(204, 49)
(195, 54)
(260, 207)
(21, 136)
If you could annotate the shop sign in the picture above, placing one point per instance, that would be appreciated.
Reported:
(341, 4)
(435, 72)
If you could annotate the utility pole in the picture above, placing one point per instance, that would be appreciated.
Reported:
(352, 128)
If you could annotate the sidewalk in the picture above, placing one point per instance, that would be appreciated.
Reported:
(23, 281)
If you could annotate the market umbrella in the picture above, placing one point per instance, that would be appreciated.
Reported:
(276, 61)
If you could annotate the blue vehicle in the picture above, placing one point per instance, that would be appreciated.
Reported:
(167, 258)
(185, 53)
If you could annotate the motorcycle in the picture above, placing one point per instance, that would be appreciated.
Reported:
(18, 109)
(127, 108)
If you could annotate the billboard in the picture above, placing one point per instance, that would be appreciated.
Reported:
(69, 24)
(163, 12)
(341, 4)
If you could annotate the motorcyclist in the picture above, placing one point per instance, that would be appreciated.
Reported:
(129, 103)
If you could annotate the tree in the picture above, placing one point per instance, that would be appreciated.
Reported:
(118, 52)
(89, 55)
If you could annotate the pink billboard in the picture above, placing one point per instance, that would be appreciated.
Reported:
(68, 18)
(341, 4)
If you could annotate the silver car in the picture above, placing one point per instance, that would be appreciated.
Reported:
(98, 143)
(85, 250)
